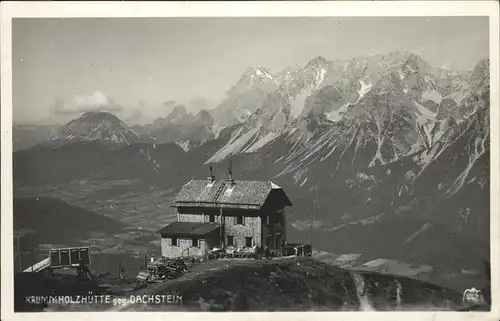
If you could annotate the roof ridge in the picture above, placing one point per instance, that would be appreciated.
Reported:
(245, 194)
(219, 191)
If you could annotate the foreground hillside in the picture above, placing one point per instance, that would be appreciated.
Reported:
(285, 285)
(303, 284)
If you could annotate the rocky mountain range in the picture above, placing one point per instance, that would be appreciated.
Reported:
(373, 140)
(181, 127)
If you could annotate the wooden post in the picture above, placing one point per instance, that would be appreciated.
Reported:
(274, 230)
(284, 229)
(19, 253)
(31, 253)
(222, 238)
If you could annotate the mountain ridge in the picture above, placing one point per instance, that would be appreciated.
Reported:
(98, 125)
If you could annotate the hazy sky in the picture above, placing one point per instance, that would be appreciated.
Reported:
(125, 63)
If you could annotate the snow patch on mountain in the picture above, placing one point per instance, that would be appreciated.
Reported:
(333, 116)
(432, 95)
(337, 115)
(262, 142)
(262, 73)
(320, 77)
(238, 140)
(298, 103)
(216, 129)
(365, 87)
(426, 157)
(423, 115)
(185, 145)
(476, 149)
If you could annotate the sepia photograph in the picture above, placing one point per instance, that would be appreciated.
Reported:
(251, 164)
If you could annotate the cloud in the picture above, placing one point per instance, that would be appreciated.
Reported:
(136, 116)
(96, 101)
(144, 112)
(170, 103)
(196, 105)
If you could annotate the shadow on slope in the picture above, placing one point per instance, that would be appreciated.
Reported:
(51, 221)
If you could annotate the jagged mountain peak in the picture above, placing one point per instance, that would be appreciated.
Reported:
(289, 68)
(257, 77)
(179, 110)
(246, 96)
(179, 115)
(317, 61)
(257, 72)
(403, 55)
(203, 113)
(96, 116)
(393, 60)
(204, 117)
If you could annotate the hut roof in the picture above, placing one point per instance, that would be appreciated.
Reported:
(240, 194)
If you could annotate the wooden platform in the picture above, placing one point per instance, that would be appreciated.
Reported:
(40, 266)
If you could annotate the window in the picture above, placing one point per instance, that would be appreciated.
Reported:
(248, 241)
(240, 220)
(230, 240)
(195, 242)
(212, 218)
(174, 241)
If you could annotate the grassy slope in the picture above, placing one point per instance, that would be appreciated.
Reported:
(288, 284)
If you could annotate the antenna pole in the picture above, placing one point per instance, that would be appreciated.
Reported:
(311, 223)
(222, 232)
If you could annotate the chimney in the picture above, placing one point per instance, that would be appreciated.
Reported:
(212, 177)
(231, 180)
